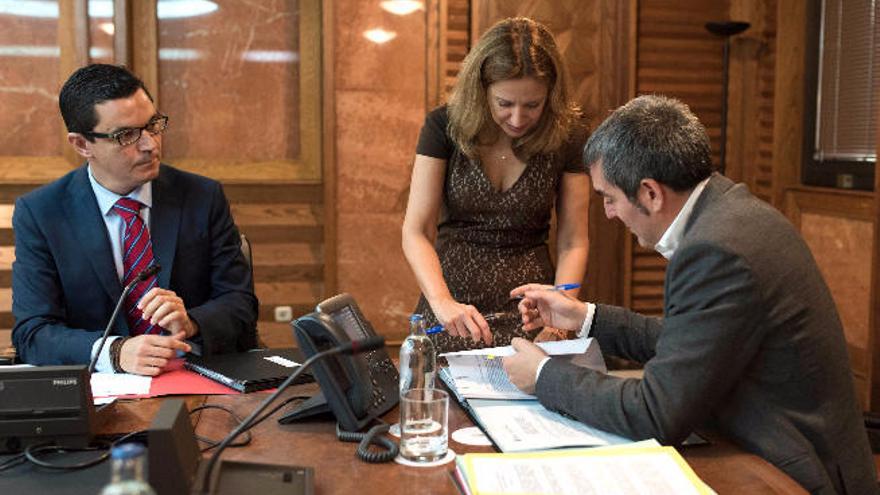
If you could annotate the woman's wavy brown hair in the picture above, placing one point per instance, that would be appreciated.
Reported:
(513, 48)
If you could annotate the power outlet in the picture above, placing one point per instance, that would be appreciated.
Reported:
(283, 314)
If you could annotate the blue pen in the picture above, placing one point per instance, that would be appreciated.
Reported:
(557, 288)
(434, 329)
(566, 287)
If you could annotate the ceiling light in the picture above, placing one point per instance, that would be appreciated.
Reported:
(176, 9)
(166, 9)
(402, 7)
(379, 35)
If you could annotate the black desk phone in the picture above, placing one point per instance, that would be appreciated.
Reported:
(357, 388)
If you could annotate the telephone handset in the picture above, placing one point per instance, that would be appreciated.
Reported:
(357, 388)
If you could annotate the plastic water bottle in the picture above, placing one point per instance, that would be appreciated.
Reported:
(418, 358)
(128, 471)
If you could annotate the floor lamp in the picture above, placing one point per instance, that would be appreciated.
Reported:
(726, 30)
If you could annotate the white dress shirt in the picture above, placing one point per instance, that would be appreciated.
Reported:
(115, 230)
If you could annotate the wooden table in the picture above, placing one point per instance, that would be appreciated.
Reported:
(721, 465)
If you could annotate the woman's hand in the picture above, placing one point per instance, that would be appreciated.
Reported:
(462, 320)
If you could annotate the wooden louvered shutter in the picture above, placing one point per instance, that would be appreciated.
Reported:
(676, 57)
(761, 178)
(450, 20)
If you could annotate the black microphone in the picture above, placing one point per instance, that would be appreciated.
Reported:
(354, 347)
(143, 275)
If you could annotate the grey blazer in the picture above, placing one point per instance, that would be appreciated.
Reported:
(750, 342)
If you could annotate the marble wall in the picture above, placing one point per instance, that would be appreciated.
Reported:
(379, 92)
(101, 33)
(29, 66)
(230, 79)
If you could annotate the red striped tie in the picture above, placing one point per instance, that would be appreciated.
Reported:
(137, 255)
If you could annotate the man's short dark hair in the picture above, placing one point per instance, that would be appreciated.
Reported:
(91, 85)
(651, 137)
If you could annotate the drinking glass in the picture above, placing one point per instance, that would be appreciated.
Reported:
(424, 414)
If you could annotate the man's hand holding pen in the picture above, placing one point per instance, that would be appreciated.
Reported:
(540, 306)
(545, 305)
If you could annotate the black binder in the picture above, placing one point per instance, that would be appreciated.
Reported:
(258, 369)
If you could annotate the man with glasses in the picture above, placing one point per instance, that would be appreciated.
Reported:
(82, 238)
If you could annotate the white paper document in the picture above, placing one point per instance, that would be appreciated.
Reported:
(114, 384)
(554, 348)
(103, 401)
(478, 373)
(519, 426)
(483, 378)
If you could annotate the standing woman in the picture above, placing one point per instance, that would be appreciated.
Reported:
(489, 169)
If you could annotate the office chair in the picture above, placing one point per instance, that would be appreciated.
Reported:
(249, 258)
(872, 424)
(246, 251)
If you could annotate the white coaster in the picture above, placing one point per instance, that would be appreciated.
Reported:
(394, 430)
(472, 435)
(450, 455)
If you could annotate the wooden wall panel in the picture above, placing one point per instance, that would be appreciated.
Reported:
(842, 247)
(789, 103)
(16, 178)
(284, 222)
(751, 88)
(457, 40)
(761, 176)
(874, 304)
(617, 75)
(838, 227)
(676, 57)
(448, 41)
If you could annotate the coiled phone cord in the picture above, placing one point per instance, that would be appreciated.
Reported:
(372, 436)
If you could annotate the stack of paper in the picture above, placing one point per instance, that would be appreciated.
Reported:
(638, 468)
(478, 373)
(521, 426)
(514, 420)
(119, 384)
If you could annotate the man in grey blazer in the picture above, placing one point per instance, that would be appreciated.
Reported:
(750, 340)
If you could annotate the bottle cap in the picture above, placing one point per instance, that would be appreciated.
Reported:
(127, 451)
(416, 317)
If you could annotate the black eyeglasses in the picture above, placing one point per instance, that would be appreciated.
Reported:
(131, 135)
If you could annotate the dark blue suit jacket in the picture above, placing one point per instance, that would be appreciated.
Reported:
(64, 281)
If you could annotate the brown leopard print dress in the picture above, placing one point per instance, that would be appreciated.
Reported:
(491, 241)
